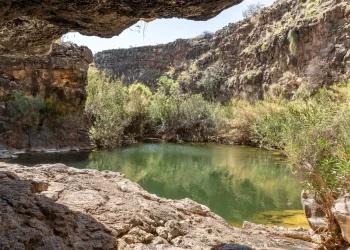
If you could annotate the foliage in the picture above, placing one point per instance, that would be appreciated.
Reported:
(311, 3)
(205, 34)
(137, 109)
(120, 113)
(52, 108)
(178, 116)
(293, 39)
(314, 132)
(315, 135)
(105, 109)
(213, 83)
(251, 9)
(25, 109)
(246, 115)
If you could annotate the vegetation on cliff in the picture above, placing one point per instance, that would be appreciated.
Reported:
(25, 110)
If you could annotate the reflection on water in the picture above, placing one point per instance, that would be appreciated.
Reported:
(289, 218)
(238, 183)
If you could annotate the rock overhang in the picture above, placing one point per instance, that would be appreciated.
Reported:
(30, 27)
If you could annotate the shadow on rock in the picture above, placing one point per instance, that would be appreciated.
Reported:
(231, 247)
(29, 220)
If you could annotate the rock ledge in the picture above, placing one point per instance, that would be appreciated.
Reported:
(57, 207)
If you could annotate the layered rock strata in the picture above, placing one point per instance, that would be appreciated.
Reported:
(54, 120)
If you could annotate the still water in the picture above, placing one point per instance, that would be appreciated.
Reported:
(238, 183)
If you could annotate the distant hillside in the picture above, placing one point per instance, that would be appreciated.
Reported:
(271, 50)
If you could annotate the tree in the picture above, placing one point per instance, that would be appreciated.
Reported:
(251, 9)
(205, 34)
(315, 136)
(213, 83)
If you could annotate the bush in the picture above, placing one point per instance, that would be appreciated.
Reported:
(120, 114)
(52, 109)
(25, 109)
(105, 109)
(293, 39)
(137, 108)
(205, 34)
(213, 83)
(179, 116)
(314, 132)
(315, 135)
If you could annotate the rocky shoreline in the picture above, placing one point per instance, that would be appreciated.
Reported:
(15, 153)
(57, 207)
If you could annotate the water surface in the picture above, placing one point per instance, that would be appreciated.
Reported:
(238, 183)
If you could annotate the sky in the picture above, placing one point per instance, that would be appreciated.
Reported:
(163, 30)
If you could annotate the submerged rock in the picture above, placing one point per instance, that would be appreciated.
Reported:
(57, 207)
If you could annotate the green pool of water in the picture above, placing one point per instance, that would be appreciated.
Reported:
(238, 183)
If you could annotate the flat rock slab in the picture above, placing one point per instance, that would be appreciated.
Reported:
(57, 207)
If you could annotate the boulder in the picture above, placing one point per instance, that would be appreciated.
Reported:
(313, 211)
(341, 210)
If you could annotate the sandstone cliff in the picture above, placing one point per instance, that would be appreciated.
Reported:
(42, 101)
(272, 50)
(56, 207)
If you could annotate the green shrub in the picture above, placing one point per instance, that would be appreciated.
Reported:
(315, 135)
(293, 39)
(53, 108)
(137, 108)
(179, 116)
(25, 109)
(213, 83)
(105, 109)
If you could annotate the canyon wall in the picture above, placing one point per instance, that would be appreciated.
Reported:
(42, 101)
(271, 50)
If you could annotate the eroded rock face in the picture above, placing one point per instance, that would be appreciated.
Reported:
(29, 27)
(341, 210)
(252, 55)
(59, 80)
(88, 209)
